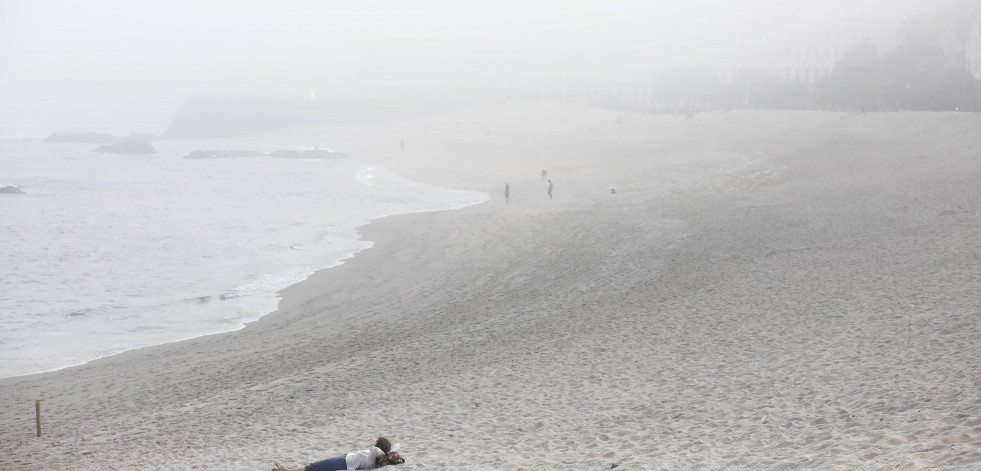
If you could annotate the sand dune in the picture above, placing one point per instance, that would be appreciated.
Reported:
(765, 291)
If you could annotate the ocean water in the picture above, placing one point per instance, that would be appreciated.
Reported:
(102, 254)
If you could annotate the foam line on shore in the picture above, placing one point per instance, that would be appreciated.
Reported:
(815, 269)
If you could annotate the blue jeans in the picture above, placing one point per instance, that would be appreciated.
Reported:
(336, 463)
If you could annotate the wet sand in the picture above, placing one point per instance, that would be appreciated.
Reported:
(765, 290)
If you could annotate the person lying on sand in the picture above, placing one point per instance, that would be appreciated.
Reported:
(363, 459)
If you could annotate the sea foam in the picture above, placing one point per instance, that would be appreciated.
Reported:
(107, 253)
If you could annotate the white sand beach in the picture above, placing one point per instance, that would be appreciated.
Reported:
(766, 290)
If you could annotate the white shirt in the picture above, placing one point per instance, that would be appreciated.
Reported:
(363, 459)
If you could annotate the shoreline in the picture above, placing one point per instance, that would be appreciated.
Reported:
(766, 290)
(246, 312)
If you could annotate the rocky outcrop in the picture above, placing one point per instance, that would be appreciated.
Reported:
(10, 190)
(222, 154)
(129, 147)
(320, 154)
(286, 154)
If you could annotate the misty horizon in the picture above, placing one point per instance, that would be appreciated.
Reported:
(119, 67)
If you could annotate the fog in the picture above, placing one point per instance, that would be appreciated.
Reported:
(120, 66)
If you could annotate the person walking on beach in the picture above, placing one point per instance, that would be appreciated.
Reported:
(550, 188)
(364, 459)
(507, 192)
(544, 175)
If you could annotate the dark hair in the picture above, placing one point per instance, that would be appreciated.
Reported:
(384, 444)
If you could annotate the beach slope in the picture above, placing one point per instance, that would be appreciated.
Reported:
(765, 290)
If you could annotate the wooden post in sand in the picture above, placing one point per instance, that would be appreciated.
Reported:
(37, 406)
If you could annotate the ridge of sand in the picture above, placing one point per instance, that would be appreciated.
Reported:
(766, 290)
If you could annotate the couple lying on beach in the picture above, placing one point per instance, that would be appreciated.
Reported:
(381, 454)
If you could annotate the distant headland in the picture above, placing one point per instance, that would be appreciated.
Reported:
(204, 117)
(136, 143)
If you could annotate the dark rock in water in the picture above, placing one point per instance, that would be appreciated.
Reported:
(222, 154)
(286, 154)
(322, 154)
(10, 189)
(131, 147)
(80, 137)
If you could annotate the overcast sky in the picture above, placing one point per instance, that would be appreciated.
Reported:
(106, 64)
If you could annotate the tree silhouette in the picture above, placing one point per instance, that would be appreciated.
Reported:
(855, 81)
